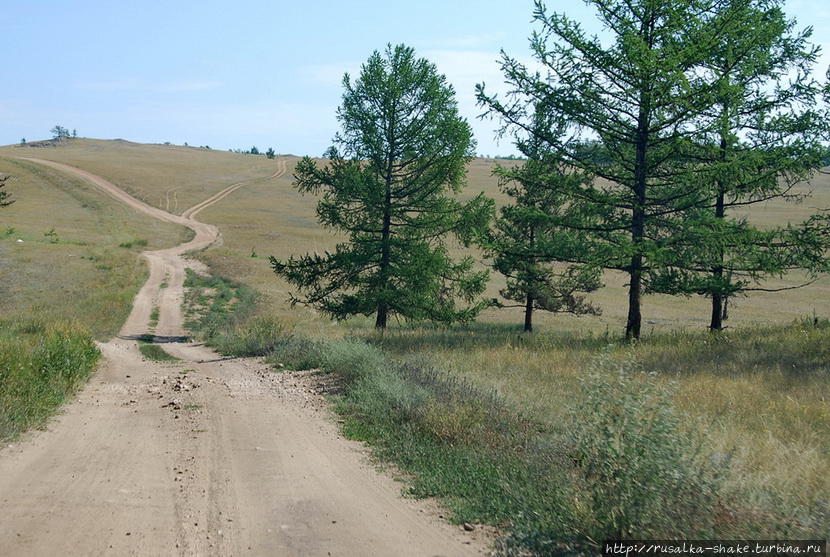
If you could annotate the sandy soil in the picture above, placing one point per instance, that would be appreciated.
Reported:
(204, 456)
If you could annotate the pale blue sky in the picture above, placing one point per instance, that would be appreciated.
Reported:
(256, 73)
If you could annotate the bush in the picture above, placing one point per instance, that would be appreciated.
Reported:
(353, 359)
(640, 474)
(260, 337)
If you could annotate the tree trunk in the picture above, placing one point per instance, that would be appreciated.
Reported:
(529, 314)
(638, 212)
(385, 252)
(716, 323)
(635, 318)
(383, 313)
(718, 297)
(725, 314)
(718, 308)
(383, 272)
(638, 226)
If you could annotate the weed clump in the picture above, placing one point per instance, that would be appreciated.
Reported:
(41, 364)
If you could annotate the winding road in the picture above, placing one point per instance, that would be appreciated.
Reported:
(203, 456)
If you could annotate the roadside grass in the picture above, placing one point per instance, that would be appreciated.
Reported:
(154, 352)
(213, 304)
(760, 394)
(154, 317)
(622, 442)
(42, 363)
(66, 283)
(563, 440)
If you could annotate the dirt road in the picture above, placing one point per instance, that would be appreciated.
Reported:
(205, 456)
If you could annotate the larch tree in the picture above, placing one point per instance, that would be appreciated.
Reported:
(639, 97)
(527, 244)
(389, 185)
(766, 138)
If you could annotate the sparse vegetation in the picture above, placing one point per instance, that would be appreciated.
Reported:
(213, 304)
(154, 352)
(154, 317)
(59, 132)
(140, 243)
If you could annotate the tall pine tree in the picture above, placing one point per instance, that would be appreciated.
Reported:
(640, 96)
(766, 139)
(389, 185)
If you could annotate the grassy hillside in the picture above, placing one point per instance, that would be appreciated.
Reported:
(78, 254)
(171, 177)
(757, 392)
(70, 264)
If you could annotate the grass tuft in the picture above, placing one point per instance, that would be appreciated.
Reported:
(155, 352)
(41, 364)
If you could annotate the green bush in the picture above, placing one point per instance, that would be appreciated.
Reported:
(297, 353)
(353, 359)
(40, 365)
(640, 474)
(260, 337)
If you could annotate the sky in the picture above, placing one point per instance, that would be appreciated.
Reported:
(269, 73)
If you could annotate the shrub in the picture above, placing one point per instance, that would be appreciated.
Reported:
(352, 359)
(260, 337)
(639, 472)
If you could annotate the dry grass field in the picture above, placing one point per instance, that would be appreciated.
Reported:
(759, 390)
(67, 251)
(171, 177)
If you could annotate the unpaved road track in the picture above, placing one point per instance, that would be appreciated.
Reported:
(206, 456)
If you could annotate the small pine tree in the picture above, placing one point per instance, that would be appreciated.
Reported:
(254, 150)
(528, 239)
(270, 153)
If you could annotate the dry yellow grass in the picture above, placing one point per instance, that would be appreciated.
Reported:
(171, 177)
(69, 264)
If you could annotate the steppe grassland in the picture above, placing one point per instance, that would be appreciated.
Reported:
(70, 267)
(759, 390)
(170, 177)
(79, 255)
